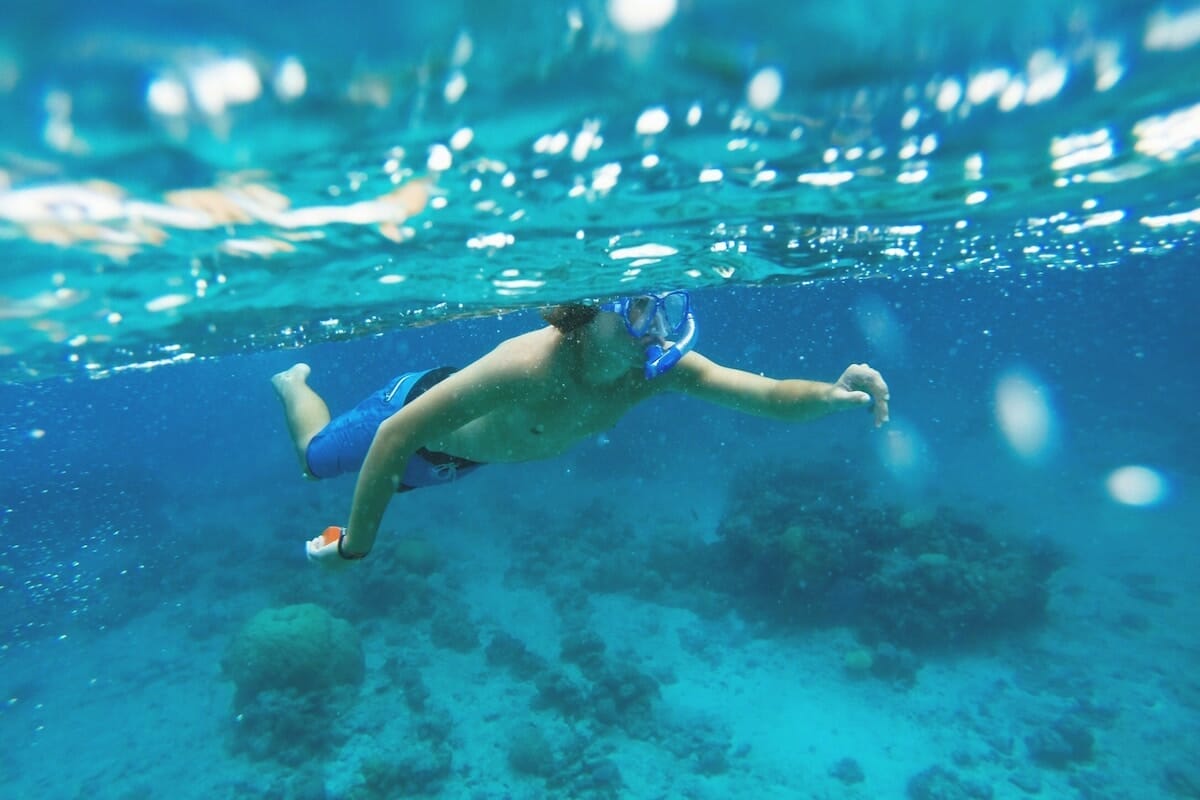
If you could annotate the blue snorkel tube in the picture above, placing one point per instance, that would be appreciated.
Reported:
(654, 319)
(660, 359)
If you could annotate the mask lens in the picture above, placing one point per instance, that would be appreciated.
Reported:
(674, 311)
(640, 314)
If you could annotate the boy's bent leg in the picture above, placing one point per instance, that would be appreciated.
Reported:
(306, 412)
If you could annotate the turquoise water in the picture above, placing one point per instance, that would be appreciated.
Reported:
(994, 595)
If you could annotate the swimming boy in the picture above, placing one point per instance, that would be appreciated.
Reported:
(532, 397)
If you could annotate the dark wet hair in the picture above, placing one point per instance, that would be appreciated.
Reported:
(570, 317)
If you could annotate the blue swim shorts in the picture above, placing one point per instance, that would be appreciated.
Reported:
(341, 446)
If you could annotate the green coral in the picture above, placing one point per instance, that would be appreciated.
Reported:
(299, 648)
(814, 546)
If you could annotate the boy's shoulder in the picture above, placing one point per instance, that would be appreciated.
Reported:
(524, 351)
(528, 356)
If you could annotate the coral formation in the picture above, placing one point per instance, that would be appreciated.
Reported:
(293, 667)
(795, 548)
(410, 769)
(452, 628)
(506, 650)
(301, 647)
(1182, 779)
(530, 752)
(848, 771)
(1065, 741)
(939, 783)
(810, 548)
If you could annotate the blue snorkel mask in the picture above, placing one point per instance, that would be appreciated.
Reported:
(667, 316)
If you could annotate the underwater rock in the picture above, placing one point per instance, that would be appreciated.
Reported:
(1027, 780)
(1064, 742)
(530, 753)
(278, 725)
(701, 738)
(624, 696)
(1093, 785)
(409, 679)
(584, 649)
(383, 591)
(556, 690)
(411, 767)
(614, 693)
(1144, 586)
(895, 664)
(506, 650)
(1000, 742)
(453, 629)
(605, 777)
(307, 784)
(1182, 780)
(848, 771)
(939, 783)
(712, 760)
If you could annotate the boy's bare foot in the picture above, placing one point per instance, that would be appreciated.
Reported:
(291, 378)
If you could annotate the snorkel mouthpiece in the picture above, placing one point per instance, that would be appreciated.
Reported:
(660, 359)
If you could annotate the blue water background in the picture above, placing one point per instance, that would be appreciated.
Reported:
(144, 517)
(175, 491)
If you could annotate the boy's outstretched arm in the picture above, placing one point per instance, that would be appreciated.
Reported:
(462, 397)
(793, 400)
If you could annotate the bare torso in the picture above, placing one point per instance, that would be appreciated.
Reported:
(553, 406)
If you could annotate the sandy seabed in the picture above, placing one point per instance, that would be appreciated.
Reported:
(139, 707)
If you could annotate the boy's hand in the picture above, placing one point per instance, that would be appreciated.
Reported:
(327, 551)
(860, 385)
